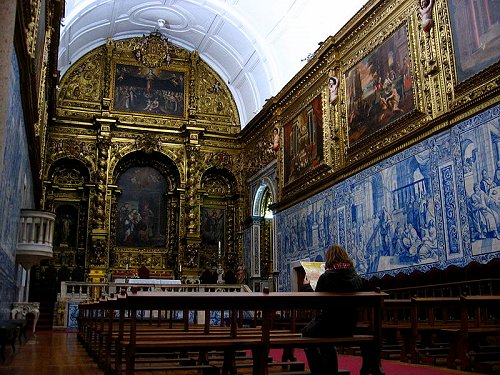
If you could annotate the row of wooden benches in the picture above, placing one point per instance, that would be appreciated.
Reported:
(119, 331)
(465, 322)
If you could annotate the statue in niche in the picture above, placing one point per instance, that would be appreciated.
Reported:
(66, 225)
(333, 85)
(275, 145)
(426, 12)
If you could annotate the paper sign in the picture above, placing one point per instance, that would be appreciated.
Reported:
(313, 271)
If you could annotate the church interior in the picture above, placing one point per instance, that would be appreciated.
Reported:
(221, 143)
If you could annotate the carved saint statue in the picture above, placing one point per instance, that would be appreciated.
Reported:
(426, 12)
(275, 145)
(333, 85)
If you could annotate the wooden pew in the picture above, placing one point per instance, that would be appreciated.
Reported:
(429, 316)
(396, 317)
(130, 341)
(479, 319)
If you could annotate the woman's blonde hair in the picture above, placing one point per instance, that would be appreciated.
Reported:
(336, 254)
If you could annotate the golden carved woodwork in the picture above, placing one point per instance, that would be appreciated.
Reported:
(208, 137)
(88, 85)
(82, 84)
(152, 50)
(67, 177)
(32, 11)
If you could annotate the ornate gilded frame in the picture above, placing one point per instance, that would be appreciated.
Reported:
(313, 107)
(379, 89)
(398, 21)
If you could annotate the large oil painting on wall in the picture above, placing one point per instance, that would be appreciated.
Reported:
(379, 88)
(303, 142)
(141, 215)
(151, 91)
(434, 204)
(475, 27)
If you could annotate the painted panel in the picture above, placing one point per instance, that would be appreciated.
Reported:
(303, 142)
(434, 204)
(475, 26)
(379, 88)
(142, 208)
(72, 322)
(149, 90)
(212, 234)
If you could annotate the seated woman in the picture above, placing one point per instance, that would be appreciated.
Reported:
(339, 276)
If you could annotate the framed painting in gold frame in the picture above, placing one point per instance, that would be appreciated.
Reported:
(303, 142)
(475, 26)
(149, 91)
(379, 88)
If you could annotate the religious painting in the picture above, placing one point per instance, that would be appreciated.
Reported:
(481, 165)
(151, 91)
(303, 142)
(212, 232)
(379, 88)
(475, 27)
(434, 204)
(142, 213)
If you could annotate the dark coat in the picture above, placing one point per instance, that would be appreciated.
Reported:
(334, 321)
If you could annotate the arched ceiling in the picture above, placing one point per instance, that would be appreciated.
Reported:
(256, 46)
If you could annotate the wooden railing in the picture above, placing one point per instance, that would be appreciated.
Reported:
(72, 293)
(489, 286)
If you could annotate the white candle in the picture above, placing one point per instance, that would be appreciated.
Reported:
(219, 250)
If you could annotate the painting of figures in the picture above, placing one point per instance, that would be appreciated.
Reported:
(379, 88)
(212, 233)
(475, 26)
(141, 216)
(393, 217)
(480, 149)
(303, 142)
(149, 90)
(435, 204)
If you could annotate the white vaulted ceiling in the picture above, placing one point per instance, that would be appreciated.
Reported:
(256, 46)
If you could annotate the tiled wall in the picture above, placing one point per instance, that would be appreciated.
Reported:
(16, 191)
(434, 204)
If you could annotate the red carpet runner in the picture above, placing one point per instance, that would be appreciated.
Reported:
(353, 364)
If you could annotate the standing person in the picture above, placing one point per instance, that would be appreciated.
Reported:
(338, 321)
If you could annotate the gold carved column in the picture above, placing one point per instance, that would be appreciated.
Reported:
(98, 254)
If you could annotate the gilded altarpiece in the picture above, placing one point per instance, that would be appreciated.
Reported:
(145, 214)
(107, 119)
(67, 194)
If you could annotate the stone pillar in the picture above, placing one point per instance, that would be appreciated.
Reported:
(7, 18)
